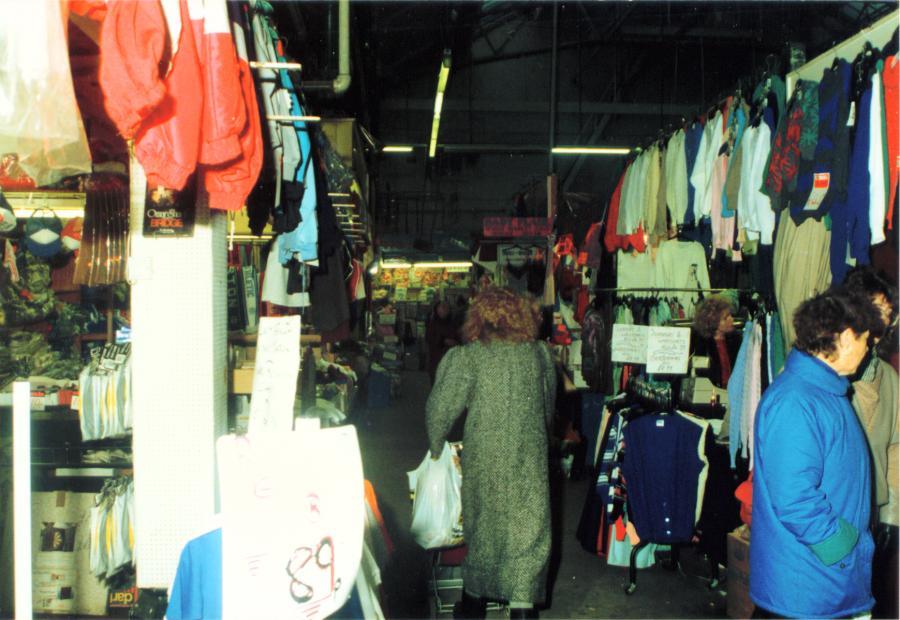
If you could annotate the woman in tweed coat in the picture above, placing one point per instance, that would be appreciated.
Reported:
(507, 382)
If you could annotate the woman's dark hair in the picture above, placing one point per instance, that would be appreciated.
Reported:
(865, 280)
(819, 321)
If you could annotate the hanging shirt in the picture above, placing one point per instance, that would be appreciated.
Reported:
(850, 225)
(891, 83)
(784, 162)
(754, 206)
(627, 178)
(731, 185)
(651, 190)
(722, 227)
(877, 148)
(611, 239)
(736, 395)
(692, 139)
(824, 180)
(282, 136)
(303, 239)
(631, 210)
(676, 177)
(701, 176)
(635, 271)
(682, 264)
(752, 391)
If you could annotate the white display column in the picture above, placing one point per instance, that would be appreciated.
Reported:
(179, 382)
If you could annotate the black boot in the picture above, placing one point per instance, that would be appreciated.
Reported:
(522, 613)
(470, 607)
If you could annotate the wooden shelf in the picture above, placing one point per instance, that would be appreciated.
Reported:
(250, 339)
(92, 337)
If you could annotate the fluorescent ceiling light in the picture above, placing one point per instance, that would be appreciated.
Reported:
(397, 148)
(443, 76)
(396, 265)
(443, 264)
(590, 150)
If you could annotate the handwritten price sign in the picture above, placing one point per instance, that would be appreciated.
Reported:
(293, 514)
(275, 376)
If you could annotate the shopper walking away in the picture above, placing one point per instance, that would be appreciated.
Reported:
(507, 381)
(810, 547)
(441, 334)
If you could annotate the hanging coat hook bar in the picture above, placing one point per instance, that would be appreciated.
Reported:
(283, 118)
(287, 66)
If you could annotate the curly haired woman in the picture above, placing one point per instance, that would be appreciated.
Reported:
(507, 382)
(714, 322)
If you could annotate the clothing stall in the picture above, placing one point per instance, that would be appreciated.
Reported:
(765, 198)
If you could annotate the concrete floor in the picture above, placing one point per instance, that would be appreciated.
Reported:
(393, 441)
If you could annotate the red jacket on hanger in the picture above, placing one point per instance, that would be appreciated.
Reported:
(200, 110)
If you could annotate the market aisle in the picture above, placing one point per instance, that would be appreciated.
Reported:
(393, 441)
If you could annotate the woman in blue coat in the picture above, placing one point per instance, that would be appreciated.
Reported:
(810, 546)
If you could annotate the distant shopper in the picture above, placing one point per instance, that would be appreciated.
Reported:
(875, 395)
(714, 323)
(810, 547)
(441, 334)
(507, 381)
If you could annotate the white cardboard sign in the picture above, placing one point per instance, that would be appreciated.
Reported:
(629, 343)
(275, 375)
(668, 349)
(293, 513)
(665, 350)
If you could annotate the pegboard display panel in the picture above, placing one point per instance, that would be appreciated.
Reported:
(179, 388)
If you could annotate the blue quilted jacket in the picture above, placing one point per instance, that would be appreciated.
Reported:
(810, 546)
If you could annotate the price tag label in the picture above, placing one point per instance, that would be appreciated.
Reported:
(38, 402)
(821, 182)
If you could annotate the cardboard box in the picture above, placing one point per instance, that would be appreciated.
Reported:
(242, 380)
(62, 582)
(738, 603)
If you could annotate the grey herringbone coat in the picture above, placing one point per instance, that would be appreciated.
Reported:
(509, 391)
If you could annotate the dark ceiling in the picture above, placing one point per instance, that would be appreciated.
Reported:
(623, 72)
(395, 43)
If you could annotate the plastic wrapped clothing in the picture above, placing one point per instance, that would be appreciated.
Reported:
(39, 117)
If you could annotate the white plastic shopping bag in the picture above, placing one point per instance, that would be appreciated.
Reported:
(437, 508)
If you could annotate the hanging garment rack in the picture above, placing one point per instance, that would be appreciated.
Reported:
(667, 290)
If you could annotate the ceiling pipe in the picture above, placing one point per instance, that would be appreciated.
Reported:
(553, 79)
(341, 83)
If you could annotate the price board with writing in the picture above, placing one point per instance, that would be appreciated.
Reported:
(629, 343)
(275, 375)
(668, 349)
